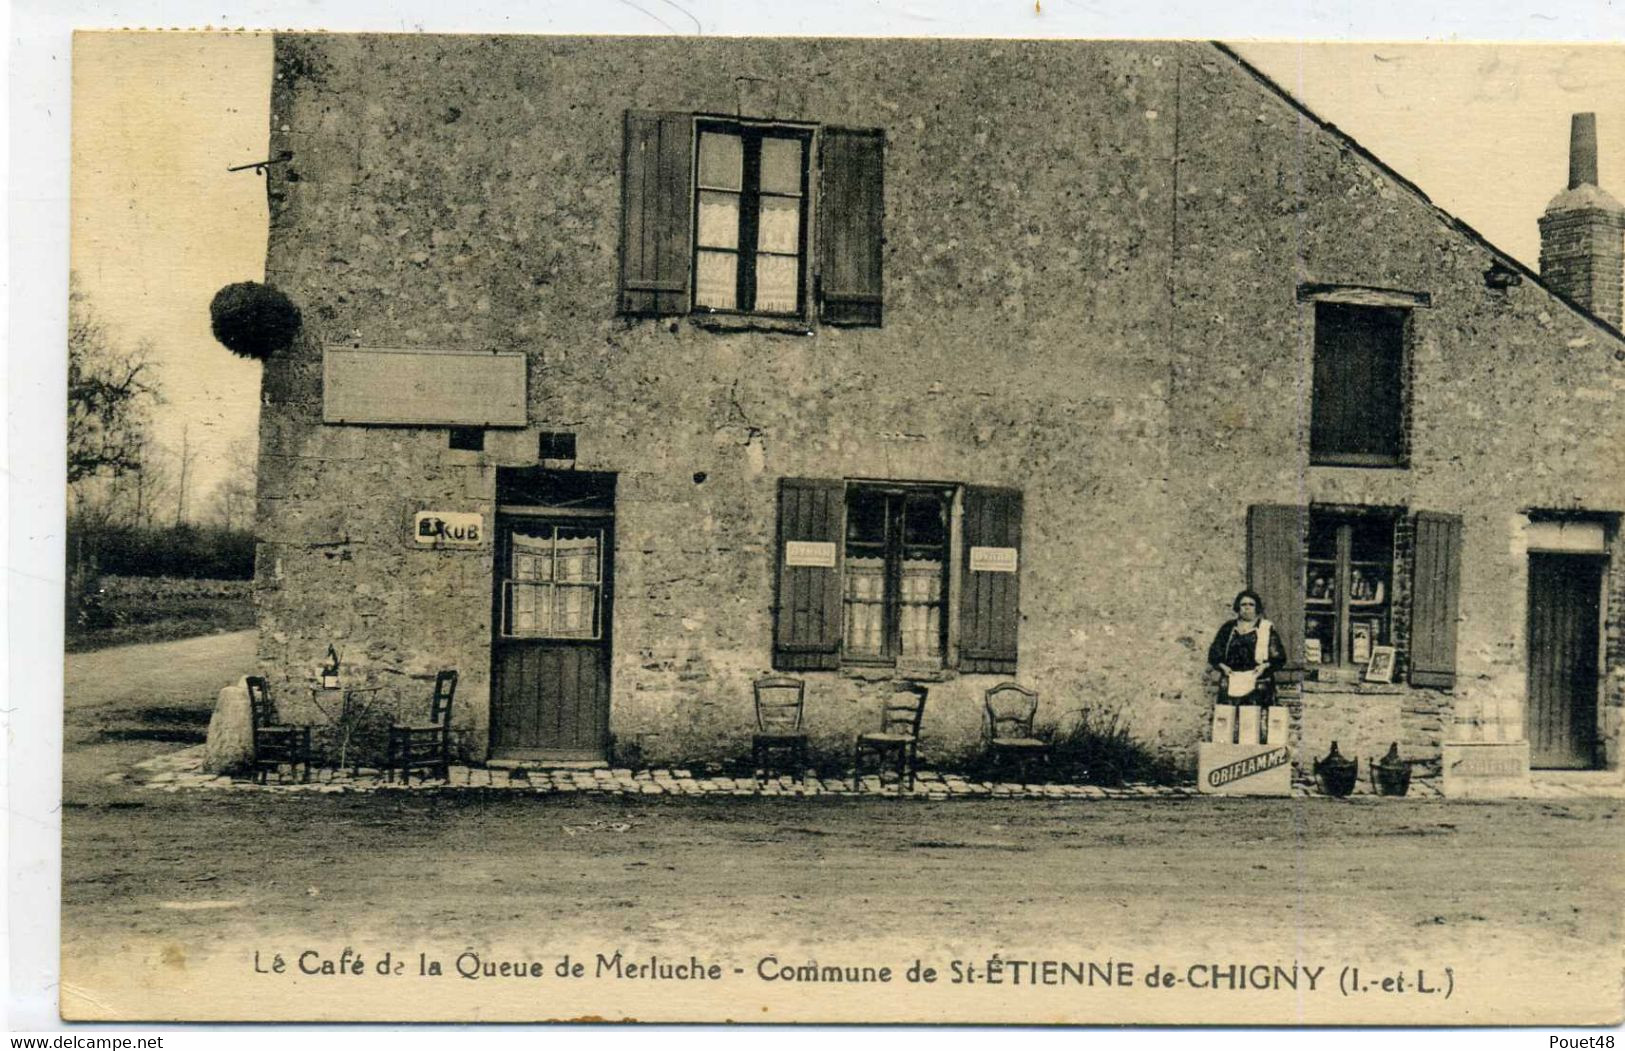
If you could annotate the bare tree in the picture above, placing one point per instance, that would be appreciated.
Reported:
(231, 502)
(183, 484)
(110, 392)
(150, 487)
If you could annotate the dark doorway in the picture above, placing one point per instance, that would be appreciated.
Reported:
(1565, 606)
(552, 609)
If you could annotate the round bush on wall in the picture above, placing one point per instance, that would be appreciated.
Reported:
(253, 320)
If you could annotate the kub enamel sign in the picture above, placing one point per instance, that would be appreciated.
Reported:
(448, 529)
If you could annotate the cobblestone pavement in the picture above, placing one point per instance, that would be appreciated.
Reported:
(183, 771)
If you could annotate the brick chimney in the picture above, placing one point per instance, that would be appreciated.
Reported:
(1582, 234)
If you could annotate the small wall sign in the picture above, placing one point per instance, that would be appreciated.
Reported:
(993, 559)
(1484, 769)
(448, 529)
(817, 553)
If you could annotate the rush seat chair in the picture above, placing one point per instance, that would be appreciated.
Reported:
(275, 744)
(899, 734)
(780, 701)
(425, 746)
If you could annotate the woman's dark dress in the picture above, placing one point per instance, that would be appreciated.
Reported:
(1238, 651)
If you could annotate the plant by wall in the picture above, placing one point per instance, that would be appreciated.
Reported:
(1095, 747)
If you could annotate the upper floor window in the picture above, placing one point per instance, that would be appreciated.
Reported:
(717, 217)
(1359, 395)
(751, 219)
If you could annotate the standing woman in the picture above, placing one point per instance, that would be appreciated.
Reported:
(1247, 651)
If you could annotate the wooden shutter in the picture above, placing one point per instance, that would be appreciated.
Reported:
(656, 212)
(851, 205)
(1435, 601)
(1275, 540)
(990, 600)
(807, 602)
(1358, 381)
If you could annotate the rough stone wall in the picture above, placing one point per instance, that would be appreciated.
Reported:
(1091, 259)
(1515, 397)
(465, 192)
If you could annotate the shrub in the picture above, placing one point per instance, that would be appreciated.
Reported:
(1097, 748)
(206, 552)
(253, 320)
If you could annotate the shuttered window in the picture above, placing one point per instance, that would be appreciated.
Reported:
(864, 574)
(1349, 587)
(750, 238)
(895, 577)
(1357, 416)
(1335, 586)
(718, 217)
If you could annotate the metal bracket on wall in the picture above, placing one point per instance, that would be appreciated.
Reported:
(261, 167)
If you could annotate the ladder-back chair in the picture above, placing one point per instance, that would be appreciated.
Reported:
(425, 746)
(780, 702)
(275, 744)
(899, 733)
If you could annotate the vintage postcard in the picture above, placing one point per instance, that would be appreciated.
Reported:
(700, 529)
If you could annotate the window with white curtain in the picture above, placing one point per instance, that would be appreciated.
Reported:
(895, 573)
(750, 218)
(554, 584)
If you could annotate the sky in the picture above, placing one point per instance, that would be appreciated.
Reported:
(159, 224)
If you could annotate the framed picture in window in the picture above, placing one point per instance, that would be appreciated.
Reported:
(1381, 668)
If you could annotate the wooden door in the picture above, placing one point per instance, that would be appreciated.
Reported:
(552, 610)
(1565, 594)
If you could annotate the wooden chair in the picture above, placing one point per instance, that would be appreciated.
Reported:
(779, 704)
(425, 746)
(899, 733)
(275, 744)
(1009, 726)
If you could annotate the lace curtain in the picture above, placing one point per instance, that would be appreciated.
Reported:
(919, 607)
(554, 586)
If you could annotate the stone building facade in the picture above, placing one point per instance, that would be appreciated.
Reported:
(633, 370)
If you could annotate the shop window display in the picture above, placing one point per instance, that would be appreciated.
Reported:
(1348, 588)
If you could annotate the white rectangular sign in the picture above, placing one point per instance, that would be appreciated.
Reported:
(817, 553)
(425, 387)
(448, 528)
(1568, 536)
(993, 559)
(1243, 769)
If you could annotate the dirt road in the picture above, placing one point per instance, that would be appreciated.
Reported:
(127, 703)
(1501, 892)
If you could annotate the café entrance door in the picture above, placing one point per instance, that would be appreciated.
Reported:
(553, 607)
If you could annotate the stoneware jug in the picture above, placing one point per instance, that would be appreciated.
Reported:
(1335, 773)
(1391, 776)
